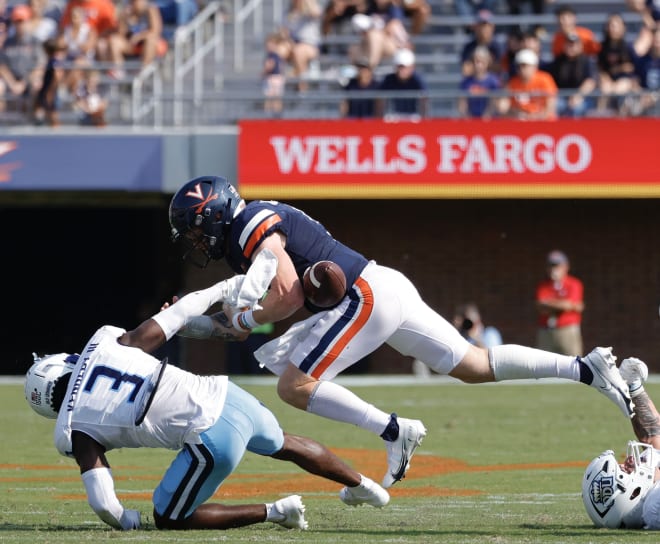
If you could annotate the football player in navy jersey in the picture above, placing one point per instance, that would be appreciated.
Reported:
(115, 395)
(380, 306)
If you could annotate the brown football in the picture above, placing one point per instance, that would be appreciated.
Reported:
(324, 284)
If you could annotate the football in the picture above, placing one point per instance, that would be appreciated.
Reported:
(324, 284)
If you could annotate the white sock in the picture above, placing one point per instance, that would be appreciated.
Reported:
(336, 402)
(513, 362)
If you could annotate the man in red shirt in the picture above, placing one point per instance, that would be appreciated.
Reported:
(560, 303)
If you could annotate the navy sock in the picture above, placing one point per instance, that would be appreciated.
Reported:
(586, 375)
(391, 432)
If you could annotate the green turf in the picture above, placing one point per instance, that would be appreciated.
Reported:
(481, 426)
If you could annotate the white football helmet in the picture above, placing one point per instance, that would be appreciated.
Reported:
(41, 379)
(614, 497)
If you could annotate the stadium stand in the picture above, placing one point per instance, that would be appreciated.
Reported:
(211, 73)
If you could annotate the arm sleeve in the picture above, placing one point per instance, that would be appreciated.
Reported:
(200, 326)
(101, 497)
(194, 304)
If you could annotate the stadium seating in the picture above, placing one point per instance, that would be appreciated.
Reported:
(229, 88)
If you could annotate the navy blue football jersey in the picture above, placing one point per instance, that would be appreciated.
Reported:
(307, 241)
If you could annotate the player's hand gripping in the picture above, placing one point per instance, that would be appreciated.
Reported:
(225, 318)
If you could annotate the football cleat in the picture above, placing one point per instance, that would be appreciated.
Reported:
(401, 450)
(608, 380)
(367, 492)
(293, 511)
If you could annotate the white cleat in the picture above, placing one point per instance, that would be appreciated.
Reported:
(635, 372)
(608, 380)
(401, 450)
(293, 511)
(367, 492)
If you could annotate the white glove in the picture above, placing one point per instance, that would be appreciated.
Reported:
(633, 370)
(130, 519)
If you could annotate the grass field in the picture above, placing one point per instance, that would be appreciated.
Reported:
(501, 464)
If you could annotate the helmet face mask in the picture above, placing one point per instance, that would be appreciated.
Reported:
(613, 493)
(197, 246)
(200, 214)
(46, 381)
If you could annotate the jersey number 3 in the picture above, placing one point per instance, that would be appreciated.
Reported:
(117, 377)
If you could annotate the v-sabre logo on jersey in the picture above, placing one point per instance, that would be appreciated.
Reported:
(197, 193)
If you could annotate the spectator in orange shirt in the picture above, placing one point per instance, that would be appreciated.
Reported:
(100, 15)
(567, 21)
(533, 92)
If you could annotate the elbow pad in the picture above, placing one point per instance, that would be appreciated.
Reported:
(101, 497)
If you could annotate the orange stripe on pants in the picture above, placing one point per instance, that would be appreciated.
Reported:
(366, 307)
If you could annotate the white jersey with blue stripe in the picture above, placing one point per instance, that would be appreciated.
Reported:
(110, 388)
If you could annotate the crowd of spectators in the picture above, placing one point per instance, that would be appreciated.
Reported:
(53, 52)
(50, 49)
(516, 72)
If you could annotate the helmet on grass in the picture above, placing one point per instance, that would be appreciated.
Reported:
(613, 493)
(200, 215)
(46, 382)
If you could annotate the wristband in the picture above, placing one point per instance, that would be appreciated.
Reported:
(244, 321)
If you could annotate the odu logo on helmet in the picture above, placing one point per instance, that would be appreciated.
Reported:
(602, 490)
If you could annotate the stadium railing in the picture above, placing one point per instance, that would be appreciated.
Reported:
(192, 44)
(230, 107)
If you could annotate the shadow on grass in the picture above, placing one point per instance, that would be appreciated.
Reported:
(580, 530)
(51, 527)
(534, 531)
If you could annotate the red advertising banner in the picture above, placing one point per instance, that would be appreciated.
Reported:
(588, 158)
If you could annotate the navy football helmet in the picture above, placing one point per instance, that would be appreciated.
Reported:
(200, 215)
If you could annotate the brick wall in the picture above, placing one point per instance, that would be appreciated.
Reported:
(493, 253)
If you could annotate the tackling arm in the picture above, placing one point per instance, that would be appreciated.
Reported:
(154, 332)
(99, 485)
